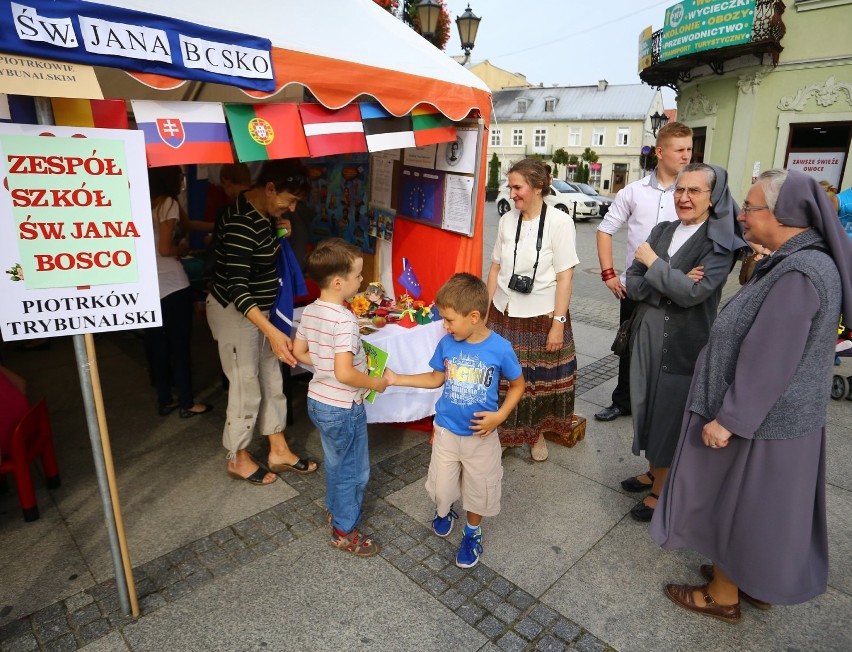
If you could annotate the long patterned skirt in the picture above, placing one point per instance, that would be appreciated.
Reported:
(548, 401)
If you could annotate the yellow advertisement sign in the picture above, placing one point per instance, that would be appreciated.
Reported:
(645, 38)
(20, 75)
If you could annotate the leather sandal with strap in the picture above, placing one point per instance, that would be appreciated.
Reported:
(683, 596)
(708, 573)
(355, 542)
(634, 485)
(642, 512)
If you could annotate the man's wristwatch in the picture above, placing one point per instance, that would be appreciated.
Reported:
(562, 319)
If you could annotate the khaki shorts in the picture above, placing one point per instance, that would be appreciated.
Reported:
(470, 467)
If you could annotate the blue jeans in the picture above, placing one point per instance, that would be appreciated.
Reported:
(347, 460)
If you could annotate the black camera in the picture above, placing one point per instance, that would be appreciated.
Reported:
(522, 284)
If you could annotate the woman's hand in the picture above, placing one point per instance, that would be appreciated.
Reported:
(696, 274)
(282, 222)
(556, 337)
(714, 435)
(617, 287)
(282, 346)
(645, 255)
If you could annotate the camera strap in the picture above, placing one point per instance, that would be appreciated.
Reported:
(538, 241)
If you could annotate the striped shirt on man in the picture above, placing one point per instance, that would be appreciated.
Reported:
(245, 272)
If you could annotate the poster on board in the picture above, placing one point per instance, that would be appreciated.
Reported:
(421, 196)
(76, 235)
(420, 157)
(338, 199)
(458, 156)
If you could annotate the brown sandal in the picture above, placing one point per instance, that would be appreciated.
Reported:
(708, 573)
(356, 543)
(682, 596)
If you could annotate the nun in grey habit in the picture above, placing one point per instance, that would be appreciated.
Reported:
(747, 484)
(676, 281)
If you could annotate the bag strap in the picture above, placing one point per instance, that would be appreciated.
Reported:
(538, 242)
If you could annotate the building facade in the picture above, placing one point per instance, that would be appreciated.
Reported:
(783, 99)
(613, 120)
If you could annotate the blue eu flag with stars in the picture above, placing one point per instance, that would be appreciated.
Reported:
(408, 280)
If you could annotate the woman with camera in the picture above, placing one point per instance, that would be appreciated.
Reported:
(532, 267)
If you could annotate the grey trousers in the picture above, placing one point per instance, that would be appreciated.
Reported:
(255, 394)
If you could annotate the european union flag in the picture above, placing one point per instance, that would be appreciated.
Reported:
(408, 280)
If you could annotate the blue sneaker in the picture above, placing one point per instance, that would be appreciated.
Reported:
(470, 549)
(443, 525)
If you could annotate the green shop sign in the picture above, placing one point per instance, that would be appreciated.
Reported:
(698, 25)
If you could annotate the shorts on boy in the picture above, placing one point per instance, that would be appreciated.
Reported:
(466, 466)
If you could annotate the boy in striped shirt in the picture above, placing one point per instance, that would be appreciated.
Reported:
(328, 339)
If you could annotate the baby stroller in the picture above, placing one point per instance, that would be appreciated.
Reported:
(841, 382)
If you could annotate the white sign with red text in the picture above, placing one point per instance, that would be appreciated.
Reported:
(822, 166)
(76, 238)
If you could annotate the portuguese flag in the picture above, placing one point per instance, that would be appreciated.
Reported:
(262, 132)
(431, 126)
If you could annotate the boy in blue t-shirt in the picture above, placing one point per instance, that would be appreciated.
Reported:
(466, 453)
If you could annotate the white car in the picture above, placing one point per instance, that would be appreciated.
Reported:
(563, 197)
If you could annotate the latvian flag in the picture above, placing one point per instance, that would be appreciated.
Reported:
(431, 126)
(107, 114)
(333, 132)
(183, 132)
(384, 130)
(267, 131)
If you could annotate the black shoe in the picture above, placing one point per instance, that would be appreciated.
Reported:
(641, 512)
(633, 484)
(611, 413)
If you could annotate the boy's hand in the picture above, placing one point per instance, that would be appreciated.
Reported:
(381, 384)
(390, 376)
(484, 423)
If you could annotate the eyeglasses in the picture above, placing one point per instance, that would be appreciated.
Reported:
(692, 193)
(746, 208)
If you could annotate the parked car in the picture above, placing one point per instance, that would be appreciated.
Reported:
(603, 202)
(563, 197)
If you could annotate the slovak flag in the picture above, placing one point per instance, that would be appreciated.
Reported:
(408, 280)
(183, 132)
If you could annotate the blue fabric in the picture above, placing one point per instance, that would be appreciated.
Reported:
(844, 210)
(291, 284)
(471, 376)
(343, 432)
(54, 31)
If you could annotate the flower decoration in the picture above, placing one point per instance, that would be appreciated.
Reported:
(388, 5)
(443, 29)
(405, 302)
(360, 305)
(16, 272)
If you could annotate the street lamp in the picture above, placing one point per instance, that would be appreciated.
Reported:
(657, 121)
(468, 25)
(428, 12)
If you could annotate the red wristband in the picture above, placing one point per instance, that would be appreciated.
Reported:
(607, 274)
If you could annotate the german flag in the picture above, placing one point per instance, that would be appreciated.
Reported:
(431, 126)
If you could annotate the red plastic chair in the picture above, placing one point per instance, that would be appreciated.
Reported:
(31, 438)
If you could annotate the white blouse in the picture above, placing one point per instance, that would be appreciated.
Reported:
(558, 253)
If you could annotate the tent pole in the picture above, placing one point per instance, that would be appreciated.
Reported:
(44, 115)
(84, 370)
(110, 473)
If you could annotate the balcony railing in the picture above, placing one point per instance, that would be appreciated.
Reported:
(766, 34)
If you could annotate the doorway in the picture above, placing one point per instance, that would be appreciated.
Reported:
(619, 176)
(820, 150)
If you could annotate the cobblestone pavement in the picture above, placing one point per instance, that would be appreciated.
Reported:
(509, 616)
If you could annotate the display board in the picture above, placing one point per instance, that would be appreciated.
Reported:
(433, 185)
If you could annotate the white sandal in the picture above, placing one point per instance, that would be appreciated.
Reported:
(538, 451)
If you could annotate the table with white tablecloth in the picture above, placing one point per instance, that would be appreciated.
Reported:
(409, 351)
